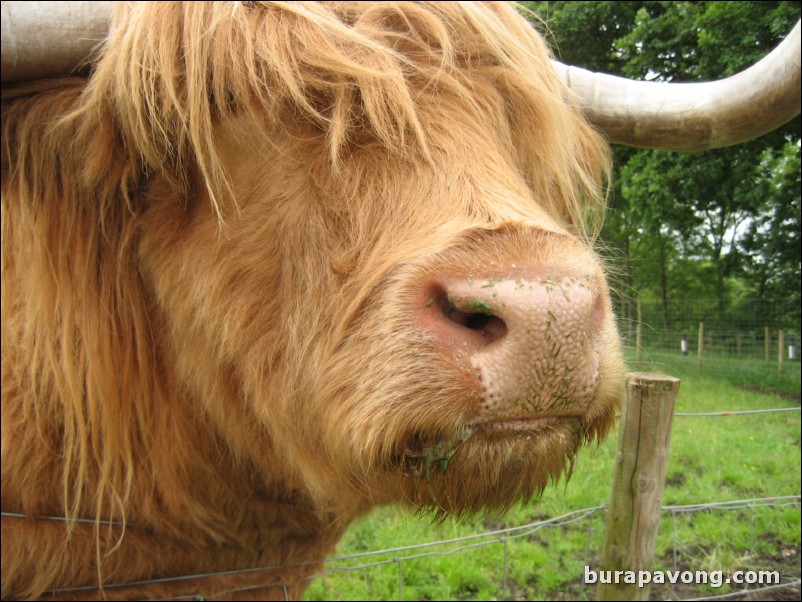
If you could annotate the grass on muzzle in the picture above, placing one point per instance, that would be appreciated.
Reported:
(712, 459)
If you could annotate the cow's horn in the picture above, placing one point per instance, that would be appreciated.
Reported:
(50, 39)
(698, 116)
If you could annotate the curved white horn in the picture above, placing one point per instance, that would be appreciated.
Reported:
(50, 39)
(694, 116)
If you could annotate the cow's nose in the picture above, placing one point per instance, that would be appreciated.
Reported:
(529, 339)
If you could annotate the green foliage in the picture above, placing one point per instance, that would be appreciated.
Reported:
(723, 224)
(771, 246)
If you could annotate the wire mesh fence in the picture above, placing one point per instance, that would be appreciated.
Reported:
(756, 345)
(749, 329)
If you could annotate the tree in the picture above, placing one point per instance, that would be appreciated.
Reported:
(771, 246)
(726, 216)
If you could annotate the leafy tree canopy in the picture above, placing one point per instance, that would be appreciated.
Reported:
(720, 224)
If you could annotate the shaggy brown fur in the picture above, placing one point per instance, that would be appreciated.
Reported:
(211, 250)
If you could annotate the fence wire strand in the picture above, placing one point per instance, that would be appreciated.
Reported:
(739, 412)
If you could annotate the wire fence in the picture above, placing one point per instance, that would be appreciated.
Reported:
(754, 343)
(503, 537)
(737, 328)
(748, 328)
(683, 576)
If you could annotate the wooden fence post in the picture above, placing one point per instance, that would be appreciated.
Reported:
(638, 479)
(780, 352)
(638, 333)
(700, 346)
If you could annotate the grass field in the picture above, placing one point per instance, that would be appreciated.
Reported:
(713, 459)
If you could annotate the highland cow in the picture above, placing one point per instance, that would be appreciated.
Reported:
(269, 265)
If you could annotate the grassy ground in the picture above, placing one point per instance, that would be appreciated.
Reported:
(713, 459)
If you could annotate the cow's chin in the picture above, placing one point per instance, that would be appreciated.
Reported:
(492, 466)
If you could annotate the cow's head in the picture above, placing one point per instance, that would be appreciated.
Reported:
(381, 256)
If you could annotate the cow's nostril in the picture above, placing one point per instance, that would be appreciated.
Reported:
(476, 317)
(491, 326)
